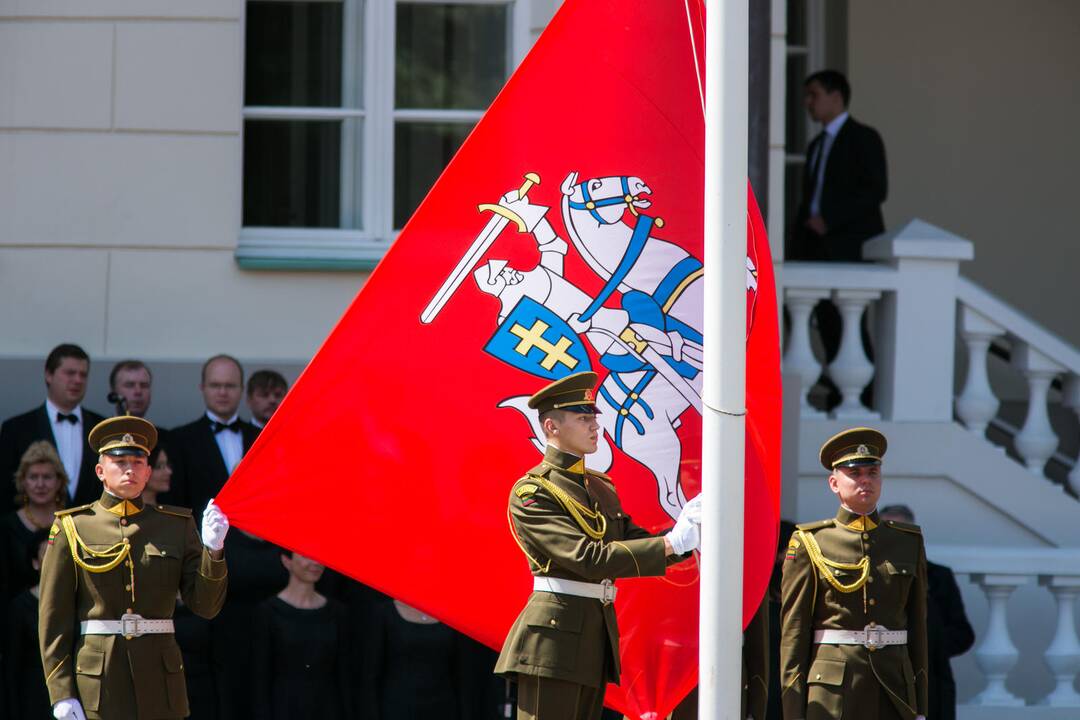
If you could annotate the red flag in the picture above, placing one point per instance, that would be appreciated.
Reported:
(408, 428)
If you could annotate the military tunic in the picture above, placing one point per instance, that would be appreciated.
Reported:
(566, 637)
(880, 582)
(112, 676)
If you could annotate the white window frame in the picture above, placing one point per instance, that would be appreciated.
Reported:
(371, 32)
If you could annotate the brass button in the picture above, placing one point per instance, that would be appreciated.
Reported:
(903, 571)
(818, 677)
(123, 521)
(127, 541)
(866, 536)
(128, 588)
(78, 668)
(870, 578)
(873, 601)
(164, 553)
(554, 621)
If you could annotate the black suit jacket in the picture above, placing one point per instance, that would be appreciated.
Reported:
(948, 634)
(856, 184)
(18, 432)
(199, 471)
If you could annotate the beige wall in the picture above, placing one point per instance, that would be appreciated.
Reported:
(979, 105)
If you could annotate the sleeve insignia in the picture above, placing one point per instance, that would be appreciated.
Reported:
(525, 489)
(792, 547)
(53, 532)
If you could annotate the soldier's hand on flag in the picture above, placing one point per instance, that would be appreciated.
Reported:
(214, 527)
(686, 535)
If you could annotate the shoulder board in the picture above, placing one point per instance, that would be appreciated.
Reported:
(816, 525)
(597, 473)
(541, 470)
(173, 510)
(71, 510)
(906, 527)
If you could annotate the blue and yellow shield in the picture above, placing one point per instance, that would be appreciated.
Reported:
(534, 339)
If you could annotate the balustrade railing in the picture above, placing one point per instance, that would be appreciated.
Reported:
(921, 305)
(998, 574)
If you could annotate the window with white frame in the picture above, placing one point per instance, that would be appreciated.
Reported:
(352, 108)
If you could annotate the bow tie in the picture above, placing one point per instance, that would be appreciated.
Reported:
(217, 427)
(64, 417)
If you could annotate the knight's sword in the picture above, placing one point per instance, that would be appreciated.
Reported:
(499, 220)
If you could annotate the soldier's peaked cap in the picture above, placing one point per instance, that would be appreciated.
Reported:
(852, 447)
(123, 435)
(575, 393)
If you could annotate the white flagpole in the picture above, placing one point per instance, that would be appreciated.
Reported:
(727, 28)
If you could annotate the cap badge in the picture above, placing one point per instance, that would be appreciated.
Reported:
(590, 396)
(863, 450)
(127, 438)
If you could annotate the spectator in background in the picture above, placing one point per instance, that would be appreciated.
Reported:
(205, 452)
(24, 679)
(130, 381)
(302, 651)
(844, 179)
(39, 492)
(415, 667)
(948, 631)
(160, 476)
(62, 421)
(265, 391)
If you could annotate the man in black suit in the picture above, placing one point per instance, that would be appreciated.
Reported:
(948, 632)
(62, 421)
(844, 178)
(205, 452)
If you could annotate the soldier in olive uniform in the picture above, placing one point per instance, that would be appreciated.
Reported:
(853, 640)
(564, 646)
(108, 588)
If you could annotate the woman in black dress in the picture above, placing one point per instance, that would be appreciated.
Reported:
(301, 650)
(24, 680)
(40, 484)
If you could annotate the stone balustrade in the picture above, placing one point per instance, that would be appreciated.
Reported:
(918, 305)
(998, 573)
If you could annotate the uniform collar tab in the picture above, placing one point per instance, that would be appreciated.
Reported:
(563, 460)
(119, 506)
(856, 522)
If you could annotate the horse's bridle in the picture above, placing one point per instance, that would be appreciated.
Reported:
(590, 204)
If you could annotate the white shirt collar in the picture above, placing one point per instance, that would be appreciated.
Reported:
(833, 128)
(213, 416)
(51, 410)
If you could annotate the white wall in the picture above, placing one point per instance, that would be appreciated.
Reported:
(978, 105)
(120, 189)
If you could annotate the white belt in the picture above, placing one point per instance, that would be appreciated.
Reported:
(872, 636)
(129, 625)
(604, 590)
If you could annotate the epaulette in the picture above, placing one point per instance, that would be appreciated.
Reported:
(597, 473)
(816, 525)
(541, 470)
(906, 527)
(69, 511)
(173, 510)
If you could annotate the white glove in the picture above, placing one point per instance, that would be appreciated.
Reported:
(692, 511)
(686, 535)
(214, 527)
(69, 709)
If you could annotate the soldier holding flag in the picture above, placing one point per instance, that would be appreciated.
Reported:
(568, 521)
(109, 582)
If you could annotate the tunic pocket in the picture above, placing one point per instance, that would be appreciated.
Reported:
(552, 636)
(899, 577)
(89, 667)
(825, 690)
(175, 686)
(162, 564)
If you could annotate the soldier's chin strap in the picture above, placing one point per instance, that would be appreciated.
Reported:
(111, 557)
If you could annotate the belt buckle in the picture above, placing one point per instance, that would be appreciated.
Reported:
(874, 636)
(129, 625)
(608, 587)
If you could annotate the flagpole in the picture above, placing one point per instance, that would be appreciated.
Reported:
(727, 28)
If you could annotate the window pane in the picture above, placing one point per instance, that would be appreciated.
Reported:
(450, 56)
(796, 22)
(294, 54)
(793, 172)
(292, 173)
(421, 151)
(796, 104)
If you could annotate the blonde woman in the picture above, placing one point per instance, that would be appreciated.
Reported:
(40, 483)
